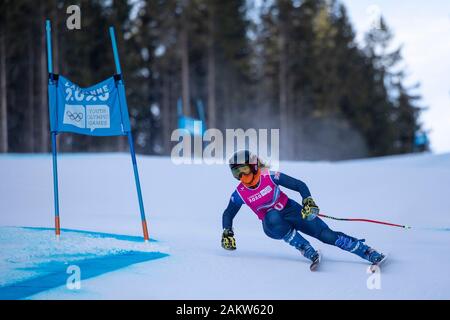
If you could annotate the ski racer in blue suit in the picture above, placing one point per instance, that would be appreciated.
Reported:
(282, 217)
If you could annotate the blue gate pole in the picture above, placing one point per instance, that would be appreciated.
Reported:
(138, 186)
(54, 151)
(55, 186)
(115, 51)
(130, 142)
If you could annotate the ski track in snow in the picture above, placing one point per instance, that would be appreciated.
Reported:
(184, 205)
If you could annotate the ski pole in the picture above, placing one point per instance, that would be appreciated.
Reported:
(365, 220)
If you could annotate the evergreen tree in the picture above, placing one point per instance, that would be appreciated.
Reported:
(296, 65)
(387, 77)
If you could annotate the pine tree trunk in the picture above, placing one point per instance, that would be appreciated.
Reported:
(211, 72)
(166, 113)
(284, 129)
(184, 42)
(229, 118)
(43, 75)
(55, 31)
(29, 115)
(3, 96)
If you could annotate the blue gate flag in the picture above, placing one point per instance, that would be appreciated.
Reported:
(193, 126)
(99, 110)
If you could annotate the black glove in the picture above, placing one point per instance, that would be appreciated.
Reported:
(228, 241)
(310, 210)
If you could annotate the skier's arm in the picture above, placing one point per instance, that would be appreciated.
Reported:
(235, 203)
(230, 212)
(289, 182)
(309, 210)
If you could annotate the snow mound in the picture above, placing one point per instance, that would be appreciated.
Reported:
(29, 253)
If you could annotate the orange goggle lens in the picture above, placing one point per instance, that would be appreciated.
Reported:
(238, 171)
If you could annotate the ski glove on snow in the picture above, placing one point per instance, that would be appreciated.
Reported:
(228, 241)
(310, 210)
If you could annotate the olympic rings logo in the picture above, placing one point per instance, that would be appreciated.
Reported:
(75, 116)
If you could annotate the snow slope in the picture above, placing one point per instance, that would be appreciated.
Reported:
(184, 205)
(32, 261)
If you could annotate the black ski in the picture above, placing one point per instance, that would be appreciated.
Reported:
(315, 263)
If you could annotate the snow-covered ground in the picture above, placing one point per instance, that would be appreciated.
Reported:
(32, 261)
(184, 206)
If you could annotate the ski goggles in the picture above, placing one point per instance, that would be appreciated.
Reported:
(240, 170)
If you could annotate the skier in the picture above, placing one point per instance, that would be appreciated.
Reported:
(281, 216)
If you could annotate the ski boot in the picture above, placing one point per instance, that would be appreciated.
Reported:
(301, 244)
(358, 247)
(310, 253)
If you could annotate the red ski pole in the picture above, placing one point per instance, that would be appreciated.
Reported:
(365, 220)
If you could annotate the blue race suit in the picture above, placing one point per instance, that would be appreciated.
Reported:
(283, 224)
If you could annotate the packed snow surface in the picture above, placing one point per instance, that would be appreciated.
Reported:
(184, 205)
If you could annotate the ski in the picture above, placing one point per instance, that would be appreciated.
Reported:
(378, 264)
(315, 263)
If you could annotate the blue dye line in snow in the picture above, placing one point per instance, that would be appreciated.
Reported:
(53, 274)
(95, 234)
(56, 275)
